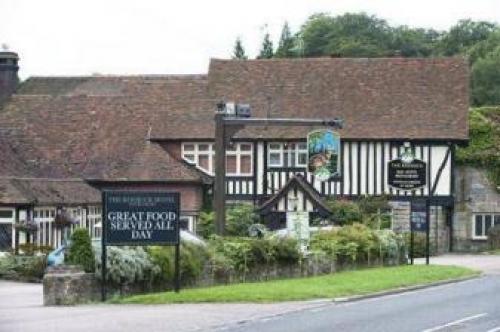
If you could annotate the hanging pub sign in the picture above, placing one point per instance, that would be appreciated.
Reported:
(141, 218)
(323, 148)
(418, 216)
(407, 172)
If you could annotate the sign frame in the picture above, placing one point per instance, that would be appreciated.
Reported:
(104, 235)
(421, 172)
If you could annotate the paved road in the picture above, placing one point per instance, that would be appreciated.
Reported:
(472, 305)
(21, 310)
(469, 306)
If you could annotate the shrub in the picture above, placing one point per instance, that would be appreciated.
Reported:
(22, 268)
(127, 265)
(419, 244)
(344, 212)
(239, 217)
(192, 260)
(242, 253)
(358, 243)
(31, 249)
(80, 252)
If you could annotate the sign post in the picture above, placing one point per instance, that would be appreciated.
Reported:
(132, 218)
(419, 222)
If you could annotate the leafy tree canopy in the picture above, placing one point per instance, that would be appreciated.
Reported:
(267, 49)
(239, 51)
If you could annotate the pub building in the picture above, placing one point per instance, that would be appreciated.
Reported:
(64, 139)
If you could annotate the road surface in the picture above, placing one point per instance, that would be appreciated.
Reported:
(472, 305)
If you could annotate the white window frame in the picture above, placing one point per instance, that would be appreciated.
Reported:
(196, 153)
(275, 151)
(238, 152)
(8, 220)
(211, 156)
(296, 150)
(483, 214)
(300, 151)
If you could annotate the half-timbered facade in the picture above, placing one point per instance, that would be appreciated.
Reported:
(158, 131)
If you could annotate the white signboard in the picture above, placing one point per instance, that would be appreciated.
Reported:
(297, 223)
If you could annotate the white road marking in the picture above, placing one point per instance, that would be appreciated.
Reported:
(456, 322)
(496, 329)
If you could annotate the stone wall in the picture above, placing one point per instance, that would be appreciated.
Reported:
(474, 194)
(68, 285)
(439, 230)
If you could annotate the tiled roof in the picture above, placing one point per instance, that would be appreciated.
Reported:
(380, 98)
(47, 191)
(97, 127)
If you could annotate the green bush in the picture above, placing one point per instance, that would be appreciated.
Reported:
(127, 265)
(242, 253)
(192, 260)
(239, 217)
(80, 252)
(358, 243)
(368, 210)
(419, 244)
(23, 268)
(344, 212)
(31, 249)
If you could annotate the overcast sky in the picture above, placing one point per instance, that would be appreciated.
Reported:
(82, 37)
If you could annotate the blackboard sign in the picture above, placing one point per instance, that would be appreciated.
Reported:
(141, 218)
(418, 217)
(407, 175)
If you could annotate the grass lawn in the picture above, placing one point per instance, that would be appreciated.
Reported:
(328, 286)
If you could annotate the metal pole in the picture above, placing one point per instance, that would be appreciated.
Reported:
(412, 255)
(177, 281)
(103, 248)
(220, 175)
(427, 231)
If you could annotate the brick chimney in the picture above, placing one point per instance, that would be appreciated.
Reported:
(8, 74)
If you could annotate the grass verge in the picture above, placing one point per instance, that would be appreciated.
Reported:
(328, 286)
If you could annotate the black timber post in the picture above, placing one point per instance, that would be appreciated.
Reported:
(220, 175)
(103, 248)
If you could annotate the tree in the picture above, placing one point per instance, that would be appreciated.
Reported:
(239, 51)
(463, 35)
(267, 50)
(414, 42)
(486, 79)
(349, 35)
(286, 43)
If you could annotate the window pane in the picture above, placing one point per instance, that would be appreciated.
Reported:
(231, 147)
(189, 157)
(246, 147)
(188, 147)
(6, 214)
(274, 159)
(302, 146)
(204, 162)
(246, 164)
(274, 146)
(203, 147)
(479, 225)
(487, 224)
(302, 159)
(231, 165)
(497, 220)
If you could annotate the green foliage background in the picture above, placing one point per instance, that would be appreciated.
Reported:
(484, 147)
(367, 36)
